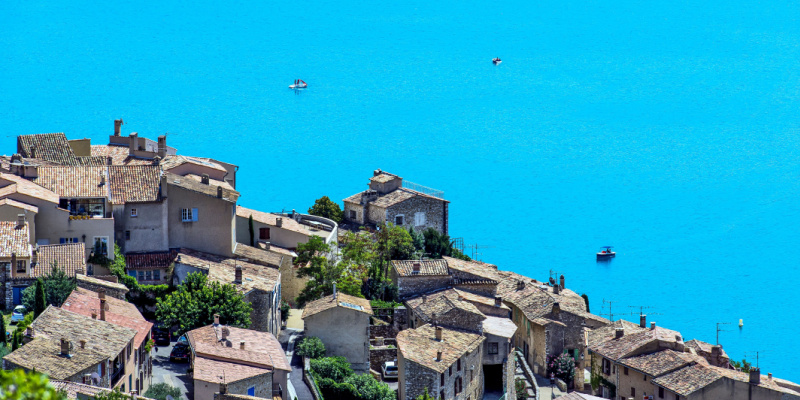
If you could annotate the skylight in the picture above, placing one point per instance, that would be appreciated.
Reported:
(353, 306)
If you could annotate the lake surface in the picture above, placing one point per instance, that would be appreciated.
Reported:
(667, 130)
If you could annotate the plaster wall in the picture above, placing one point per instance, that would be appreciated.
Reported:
(213, 232)
(344, 332)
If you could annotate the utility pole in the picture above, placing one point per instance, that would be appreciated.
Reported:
(721, 330)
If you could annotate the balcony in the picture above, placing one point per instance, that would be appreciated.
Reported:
(117, 375)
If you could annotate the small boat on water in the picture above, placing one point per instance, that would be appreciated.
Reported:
(606, 253)
(496, 61)
(298, 84)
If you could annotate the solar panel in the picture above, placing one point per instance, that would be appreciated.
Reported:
(353, 306)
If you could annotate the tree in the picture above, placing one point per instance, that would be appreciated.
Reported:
(197, 300)
(438, 245)
(252, 231)
(160, 391)
(324, 207)
(425, 396)
(40, 302)
(311, 347)
(313, 260)
(3, 339)
(586, 300)
(743, 366)
(57, 287)
(417, 238)
(368, 388)
(20, 385)
(285, 307)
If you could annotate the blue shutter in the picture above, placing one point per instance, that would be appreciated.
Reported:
(194, 214)
(132, 273)
(74, 240)
(62, 240)
(251, 391)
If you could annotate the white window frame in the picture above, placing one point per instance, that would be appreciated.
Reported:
(134, 213)
(94, 240)
(189, 214)
(401, 216)
(419, 219)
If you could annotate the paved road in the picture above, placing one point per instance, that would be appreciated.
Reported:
(288, 337)
(173, 373)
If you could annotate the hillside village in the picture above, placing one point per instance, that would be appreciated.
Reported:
(135, 226)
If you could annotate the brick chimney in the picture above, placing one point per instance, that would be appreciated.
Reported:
(204, 179)
(20, 220)
(439, 333)
(101, 294)
(241, 345)
(619, 332)
(642, 321)
(561, 280)
(65, 347)
(653, 325)
(238, 277)
(117, 126)
(162, 146)
(755, 376)
(424, 298)
(133, 144)
(279, 222)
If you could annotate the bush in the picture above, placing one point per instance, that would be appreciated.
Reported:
(377, 303)
(160, 391)
(563, 366)
(311, 347)
(336, 380)
(285, 307)
(336, 368)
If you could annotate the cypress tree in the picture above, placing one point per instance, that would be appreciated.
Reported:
(586, 300)
(252, 231)
(16, 340)
(40, 298)
(3, 340)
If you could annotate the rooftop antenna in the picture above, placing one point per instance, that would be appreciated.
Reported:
(642, 310)
(555, 276)
(476, 255)
(721, 330)
(609, 313)
(750, 354)
(458, 243)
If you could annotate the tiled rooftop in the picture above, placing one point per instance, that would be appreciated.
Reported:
(134, 183)
(627, 345)
(661, 362)
(223, 270)
(394, 197)
(103, 337)
(340, 300)
(487, 271)
(608, 332)
(288, 223)
(120, 155)
(13, 184)
(195, 186)
(173, 161)
(150, 260)
(75, 182)
(261, 349)
(420, 346)
(14, 239)
(19, 204)
(101, 282)
(120, 312)
(72, 389)
(53, 147)
(69, 257)
(384, 177)
(210, 370)
(426, 267)
(258, 256)
(701, 347)
(44, 355)
(212, 182)
(497, 326)
(473, 298)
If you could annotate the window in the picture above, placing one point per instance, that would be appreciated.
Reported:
(457, 386)
(156, 275)
(633, 392)
(148, 275)
(134, 213)
(660, 393)
(450, 371)
(493, 348)
(625, 371)
(127, 235)
(141, 275)
(188, 214)
(441, 381)
(101, 245)
(398, 220)
(458, 365)
(21, 266)
(67, 240)
(352, 214)
(645, 377)
(251, 391)
(419, 219)
(263, 233)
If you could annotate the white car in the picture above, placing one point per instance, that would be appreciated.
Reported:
(18, 314)
(389, 370)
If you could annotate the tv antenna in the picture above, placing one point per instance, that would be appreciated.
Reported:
(643, 310)
(458, 243)
(476, 255)
(609, 313)
(750, 354)
(555, 277)
(721, 330)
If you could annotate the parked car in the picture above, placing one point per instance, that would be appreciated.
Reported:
(18, 314)
(389, 370)
(161, 335)
(179, 353)
(182, 340)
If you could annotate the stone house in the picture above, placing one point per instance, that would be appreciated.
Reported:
(237, 361)
(443, 360)
(415, 277)
(714, 354)
(122, 313)
(342, 323)
(388, 201)
(705, 382)
(72, 347)
(109, 283)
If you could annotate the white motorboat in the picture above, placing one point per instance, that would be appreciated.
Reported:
(496, 61)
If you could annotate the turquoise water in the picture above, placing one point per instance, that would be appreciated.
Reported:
(666, 130)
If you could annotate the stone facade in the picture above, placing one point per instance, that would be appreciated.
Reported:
(110, 285)
(266, 315)
(416, 378)
(381, 354)
(409, 286)
(434, 213)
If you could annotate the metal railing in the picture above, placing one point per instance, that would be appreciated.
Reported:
(423, 189)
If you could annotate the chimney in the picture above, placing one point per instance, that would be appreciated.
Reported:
(653, 325)
(65, 347)
(562, 281)
(439, 355)
(216, 319)
(716, 355)
(156, 160)
(241, 345)
(83, 344)
(101, 294)
(204, 179)
(238, 277)
(20, 220)
(266, 245)
(556, 289)
(109, 160)
(439, 333)
(133, 145)
(223, 388)
(769, 375)
(162, 146)
(279, 222)
(225, 332)
(103, 306)
(619, 332)
(33, 152)
(219, 192)
(755, 376)
(424, 298)
(642, 321)
(556, 309)
(520, 285)
(102, 178)
(29, 332)
(334, 290)
(117, 126)
(94, 315)
(498, 301)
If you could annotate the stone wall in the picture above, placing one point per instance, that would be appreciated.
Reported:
(262, 383)
(409, 286)
(485, 289)
(95, 284)
(379, 355)
(460, 319)
(433, 209)
(265, 317)
(413, 379)
(509, 373)
(291, 284)
(384, 331)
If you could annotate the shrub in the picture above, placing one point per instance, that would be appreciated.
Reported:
(311, 347)
(562, 365)
(336, 368)
(160, 391)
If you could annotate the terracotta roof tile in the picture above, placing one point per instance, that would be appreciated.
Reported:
(608, 332)
(502, 327)
(223, 270)
(426, 267)
(134, 183)
(258, 256)
(120, 155)
(75, 182)
(456, 294)
(12, 184)
(120, 312)
(661, 362)
(193, 185)
(93, 280)
(420, 346)
(44, 355)
(341, 300)
(101, 336)
(262, 349)
(627, 345)
(151, 260)
(52, 147)
(210, 370)
(69, 257)
(14, 239)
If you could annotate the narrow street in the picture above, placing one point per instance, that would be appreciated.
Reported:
(297, 388)
(172, 373)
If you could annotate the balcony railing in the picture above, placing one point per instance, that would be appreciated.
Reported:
(117, 375)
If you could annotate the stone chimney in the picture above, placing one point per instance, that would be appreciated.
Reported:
(102, 178)
(162, 146)
(94, 315)
(716, 355)
(439, 333)
(556, 309)
(653, 325)
(520, 285)
(241, 345)
(238, 277)
(101, 294)
(279, 222)
(117, 126)
(755, 376)
(769, 375)
(133, 145)
(83, 343)
(216, 319)
(204, 179)
(561, 280)
(619, 332)
(556, 289)
(439, 355)
(65, 347)
(225, 333)
(103, 307)
(642, 321)
(20, 220)
(498, 301)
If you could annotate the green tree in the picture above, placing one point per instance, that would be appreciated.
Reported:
(743, 366)
(368, 388)
(313, 260)
(3, 339)
(425, 396)
(311, 347)
(197, 300)
(41, 298)
(285, 308)
(20, 385)
(57, 287)
(418, 239)
(336, 368)
(160, 391)
(324, 207)
(16, 339)
(252, 231)
(586, 300)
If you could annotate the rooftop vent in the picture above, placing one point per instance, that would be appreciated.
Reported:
(439, 333)
(439, 355)
(66, 348)
(204, 179)
(216, 319)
